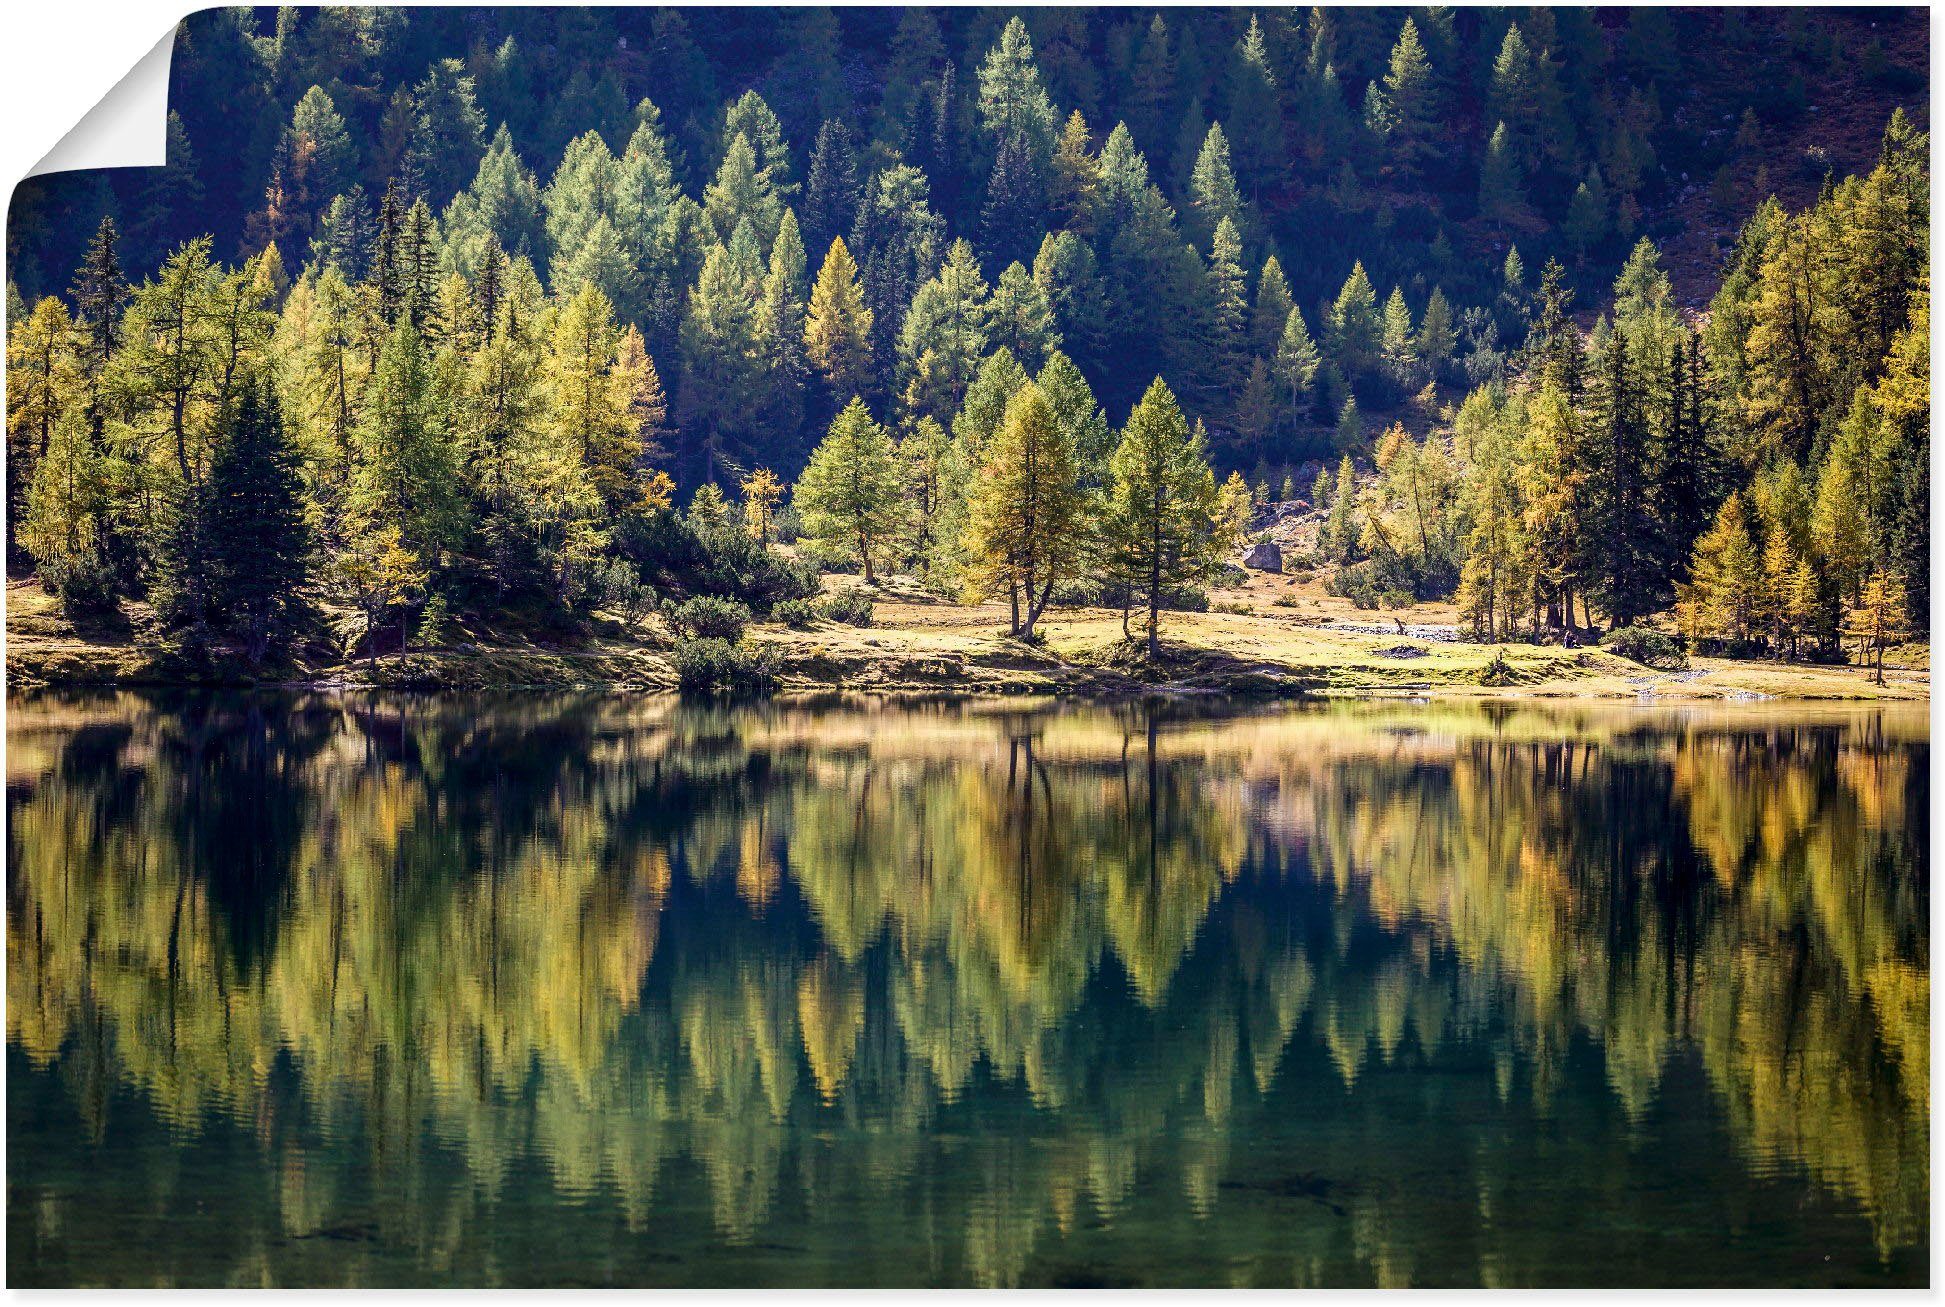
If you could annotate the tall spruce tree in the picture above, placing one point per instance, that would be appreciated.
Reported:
(256, 539)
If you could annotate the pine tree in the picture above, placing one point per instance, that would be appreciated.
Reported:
(1338, 538)
(1622, 539)
(1080, 416)
(1026, 530)
(1021, 318)
(255, 537)
(742, 192)
(1410, 94)
(1437, 337)
(404, 476)
(1225, 348)
(762, 493)
(1272, 310)
(724, 386)
(100, 292)
(448, 129)
(1398, 343)
(593, 416)
(1354, 331)
(833, 190)
(1213, 194)
(1074, 179)
(65, 526)
(1251, 109)
(849, 494)
(1158, 527)
(781, 317)
(1501, 197)
(1585, 225)
(499, 211)
(42, 379)
(837, 328)
(928, 462)
(946, 334)
(1014, 215)
(1011, 97)
(1296, 363)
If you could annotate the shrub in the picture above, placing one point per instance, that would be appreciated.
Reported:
(1648, 647)
(799, 613)
(623, 591)
(714, 666)
(1498, 671)
(435, 628)
(674, 558)
(706, 617)
(850, 607)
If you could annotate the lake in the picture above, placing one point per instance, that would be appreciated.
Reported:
(606, 989)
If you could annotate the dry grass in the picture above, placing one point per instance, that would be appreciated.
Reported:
(1287, 636)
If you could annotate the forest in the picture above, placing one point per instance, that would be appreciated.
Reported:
(461, 321)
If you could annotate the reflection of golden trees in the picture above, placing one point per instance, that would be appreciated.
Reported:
(464, 933)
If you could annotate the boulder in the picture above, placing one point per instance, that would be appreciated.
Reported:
(1264, 556)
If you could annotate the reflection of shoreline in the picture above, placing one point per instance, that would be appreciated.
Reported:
(619, 932)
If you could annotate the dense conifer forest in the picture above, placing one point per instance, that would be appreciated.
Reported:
(1608, 320)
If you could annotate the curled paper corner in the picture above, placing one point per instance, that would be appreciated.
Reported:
(128, 127)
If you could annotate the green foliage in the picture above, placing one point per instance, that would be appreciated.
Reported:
(848, 607)
(708, 617)
(1647, 646)
(712, 666)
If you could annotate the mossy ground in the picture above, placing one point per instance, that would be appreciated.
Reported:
(1270, 635)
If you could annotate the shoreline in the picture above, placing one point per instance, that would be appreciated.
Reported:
(1232, 657)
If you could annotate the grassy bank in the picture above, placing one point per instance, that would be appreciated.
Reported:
(1271, 635)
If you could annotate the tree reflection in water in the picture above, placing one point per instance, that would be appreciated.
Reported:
(610, 988)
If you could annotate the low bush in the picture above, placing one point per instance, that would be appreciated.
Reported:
(708, 665)
(706, 617)
(850, 607)
(1648, 647)
(798, 613)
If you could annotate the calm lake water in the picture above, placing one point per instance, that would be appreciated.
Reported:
(607, 990)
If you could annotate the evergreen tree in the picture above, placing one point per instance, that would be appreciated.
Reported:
(1398, 343)
(1014, 215)
(1158, 527)
(1272, 310)
(1437, 337)
(1251, 108)
(1012, 100)
(849, 494)
(833, 190)
(1021, 318)
(501, 209)
(1080, 417)
(255, 536)
(1410, 95)
(1214, 196)
(838, 326)
(448, 129)
(1354, 331)
(724, 387)
(781, 321)
(1296, 363)
(1623, 534)
(1026, 530)
(946, 335)
(1225, 358)
(1501, 197)
(404, 477)
(1074, 179)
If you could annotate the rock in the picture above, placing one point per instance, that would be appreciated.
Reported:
(1264, 556)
